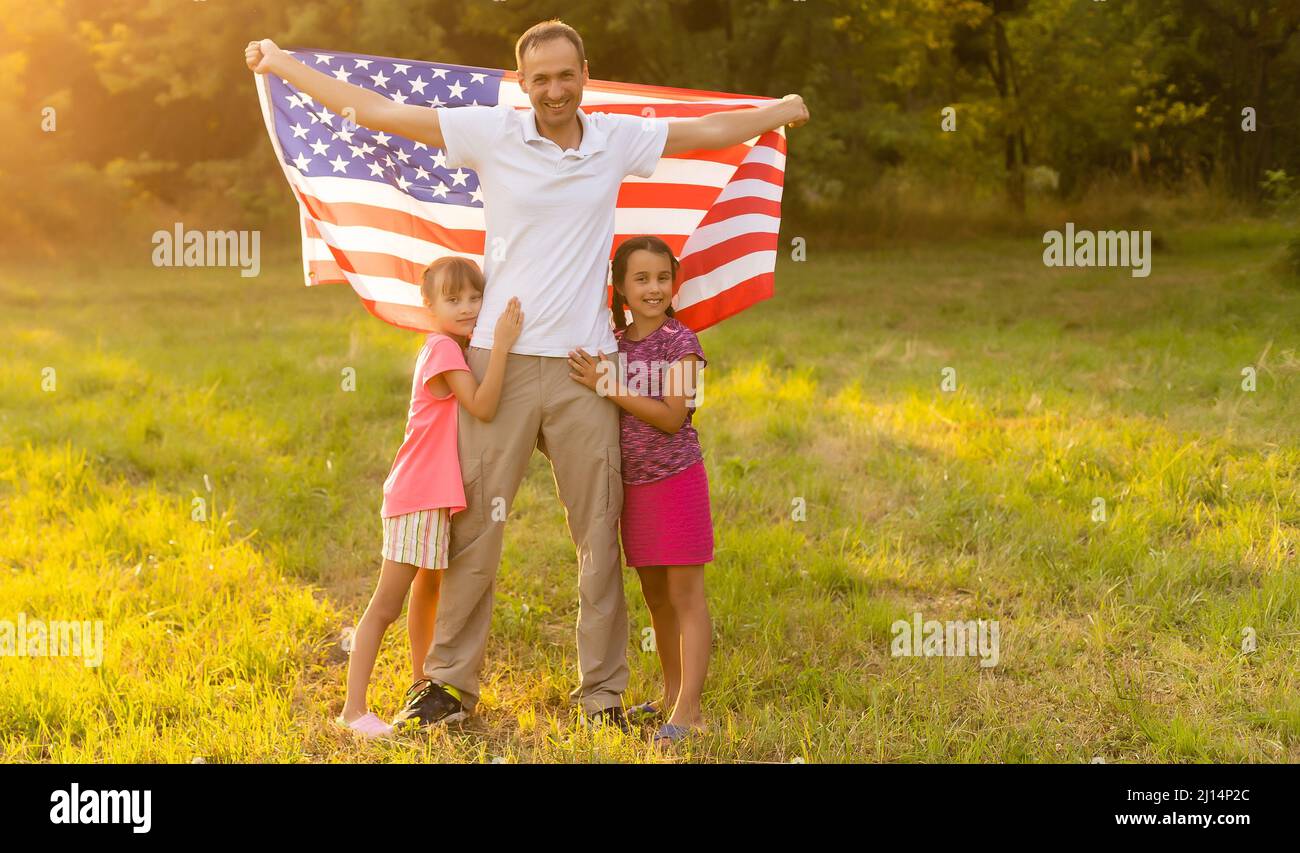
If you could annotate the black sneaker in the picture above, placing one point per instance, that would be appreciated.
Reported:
(607, 717)
(429, 704)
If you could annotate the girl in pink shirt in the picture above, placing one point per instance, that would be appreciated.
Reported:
(666, 524)
(424, 488)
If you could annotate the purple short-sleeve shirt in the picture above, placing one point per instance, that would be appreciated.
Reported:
(649, 453)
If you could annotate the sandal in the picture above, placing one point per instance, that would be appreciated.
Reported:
(670, 734)
(366, 726)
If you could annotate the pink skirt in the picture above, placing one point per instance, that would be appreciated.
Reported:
(667, 522)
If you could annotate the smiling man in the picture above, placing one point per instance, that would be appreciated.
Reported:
(550, 178)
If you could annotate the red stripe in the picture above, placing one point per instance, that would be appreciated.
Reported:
(402, 316)
(469, 241)
(372, 263)
(731, 301)
(325, 272)
(740, 206)
(732, 155)
(760, 172)
(706, 260)
(681, 196)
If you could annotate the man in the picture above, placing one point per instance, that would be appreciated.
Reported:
(550, 178)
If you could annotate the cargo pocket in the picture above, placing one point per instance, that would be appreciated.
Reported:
(472, 479)
(613, 481)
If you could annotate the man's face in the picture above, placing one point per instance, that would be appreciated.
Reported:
(553, 78)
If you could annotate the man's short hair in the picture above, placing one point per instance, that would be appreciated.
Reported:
(544, 32)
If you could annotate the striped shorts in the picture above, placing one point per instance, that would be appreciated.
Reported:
(419, 538)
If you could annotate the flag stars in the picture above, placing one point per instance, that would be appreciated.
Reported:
(417, 169)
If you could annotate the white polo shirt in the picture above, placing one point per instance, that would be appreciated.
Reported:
(549, 217)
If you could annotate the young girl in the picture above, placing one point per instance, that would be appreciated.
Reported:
(666, 526)
(424, 488)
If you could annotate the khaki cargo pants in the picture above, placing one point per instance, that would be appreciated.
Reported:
(578, 431)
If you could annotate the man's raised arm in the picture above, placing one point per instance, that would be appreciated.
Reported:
(720, 130)
(370, 109)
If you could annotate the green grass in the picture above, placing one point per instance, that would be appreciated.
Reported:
(1120, 639)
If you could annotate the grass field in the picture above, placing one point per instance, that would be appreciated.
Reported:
(1120, 639)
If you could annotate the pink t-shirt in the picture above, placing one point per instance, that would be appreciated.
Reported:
(426, 472)
(649, 453)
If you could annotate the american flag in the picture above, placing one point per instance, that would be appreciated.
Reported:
(377, 208)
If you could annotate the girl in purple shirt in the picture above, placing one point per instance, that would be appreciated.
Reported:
(666, 526)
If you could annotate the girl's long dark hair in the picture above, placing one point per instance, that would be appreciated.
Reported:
(619, 271)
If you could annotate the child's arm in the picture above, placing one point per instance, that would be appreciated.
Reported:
(667, 414)
(481, 401)
(370, 109)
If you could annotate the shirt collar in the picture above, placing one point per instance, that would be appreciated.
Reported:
(593, 138)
